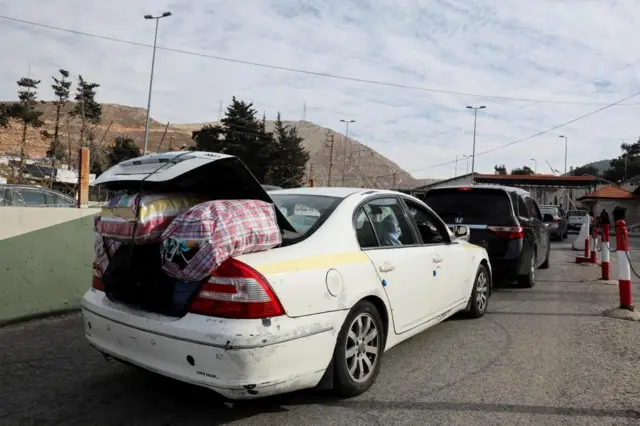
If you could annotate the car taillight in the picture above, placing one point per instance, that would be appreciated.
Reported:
(236, 290)
(556, 219)
(97, 283)
(508, 232)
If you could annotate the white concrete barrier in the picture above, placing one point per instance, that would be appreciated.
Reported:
(578, 243)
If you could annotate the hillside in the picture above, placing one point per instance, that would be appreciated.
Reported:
(365, 166)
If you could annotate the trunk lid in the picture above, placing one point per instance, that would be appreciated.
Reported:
(482, 210)
(218, 176)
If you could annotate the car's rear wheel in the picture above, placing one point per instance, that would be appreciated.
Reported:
(479, 299)
(529, 279)
(358, 352)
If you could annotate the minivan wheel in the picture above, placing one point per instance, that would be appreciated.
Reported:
(529, 280)
(479, 299)
(358, 352)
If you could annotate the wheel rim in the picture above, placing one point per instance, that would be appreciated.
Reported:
(363, 344)
(482, 291)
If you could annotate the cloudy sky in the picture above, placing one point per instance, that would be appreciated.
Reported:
(559, 59)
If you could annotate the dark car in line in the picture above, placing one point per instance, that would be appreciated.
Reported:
(506, 221)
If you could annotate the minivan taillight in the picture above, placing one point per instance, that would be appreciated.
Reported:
(556, 219)
(507, 232)
(236, 290)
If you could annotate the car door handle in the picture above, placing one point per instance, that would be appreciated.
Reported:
(386, 267)
(437, 259)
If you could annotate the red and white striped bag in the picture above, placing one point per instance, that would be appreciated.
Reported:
(199, 240)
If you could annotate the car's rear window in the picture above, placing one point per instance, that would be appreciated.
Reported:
(549, 210)
(305, 212)
(577, 213)
(473, 205)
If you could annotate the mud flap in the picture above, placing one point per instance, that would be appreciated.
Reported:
(326, 382)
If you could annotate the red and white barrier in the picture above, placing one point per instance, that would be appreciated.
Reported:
(606, 247)
(624, 269)
(594, 246)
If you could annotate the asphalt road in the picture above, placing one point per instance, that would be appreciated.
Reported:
(540, 356)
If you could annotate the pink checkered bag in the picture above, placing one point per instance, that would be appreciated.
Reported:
(199, 240)
(100, 246)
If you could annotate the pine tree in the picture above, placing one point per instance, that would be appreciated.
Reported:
(290, 156)
(61, 89)
(626, 165)
(26, 112)
(4, 115)
(86, 107)
(123, 149)
(242, 135)
(500, 170)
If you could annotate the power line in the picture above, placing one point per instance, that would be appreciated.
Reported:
(528, 137)
(300, 71)
(625, 66)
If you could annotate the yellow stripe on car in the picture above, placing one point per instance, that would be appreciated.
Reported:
(315, 262)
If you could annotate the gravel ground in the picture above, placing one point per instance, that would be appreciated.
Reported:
(543, 356)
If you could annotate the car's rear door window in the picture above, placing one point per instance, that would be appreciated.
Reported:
(534, 212)
(469, 205)
(387, 216)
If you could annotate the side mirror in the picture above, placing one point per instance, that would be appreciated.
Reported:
(461, 233)
(547, 217)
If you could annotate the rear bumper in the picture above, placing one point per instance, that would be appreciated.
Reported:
(239, 359)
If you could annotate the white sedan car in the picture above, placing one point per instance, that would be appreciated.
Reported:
(359, 271)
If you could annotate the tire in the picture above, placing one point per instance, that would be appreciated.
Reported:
(346, 383)
(529, 280)
(545, 264)
(479, 299)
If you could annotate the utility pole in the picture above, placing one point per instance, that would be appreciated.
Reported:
(329, 143)
(565, 152)
(153, 63)
(467, 166)
(456, 172)
(475, 120)
(393, 185)
(345, 139)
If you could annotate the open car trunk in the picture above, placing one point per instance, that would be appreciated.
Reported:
(134, 275)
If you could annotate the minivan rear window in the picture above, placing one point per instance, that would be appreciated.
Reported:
(472, 205)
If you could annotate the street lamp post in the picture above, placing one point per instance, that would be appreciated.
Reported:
(466, 170)
(153, 63)
(535, 166)
(344, 159)
(475, 120)
(456, 168)
(565, 152)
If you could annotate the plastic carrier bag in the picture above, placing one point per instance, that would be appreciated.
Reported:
(118, 217)
(199, 240)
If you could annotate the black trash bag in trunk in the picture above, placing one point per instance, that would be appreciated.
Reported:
(135, 277)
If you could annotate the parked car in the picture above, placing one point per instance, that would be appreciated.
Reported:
(559, 226)
(13, 195)
(506, 221)
(360, 271)
(575, 218)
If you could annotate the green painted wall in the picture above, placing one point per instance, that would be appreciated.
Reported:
(46, 270)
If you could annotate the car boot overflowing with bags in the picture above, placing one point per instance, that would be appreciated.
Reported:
(201, 239)
(160, 260)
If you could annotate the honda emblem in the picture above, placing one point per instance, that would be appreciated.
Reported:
(459, 219)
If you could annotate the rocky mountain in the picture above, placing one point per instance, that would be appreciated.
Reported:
(362, 165)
